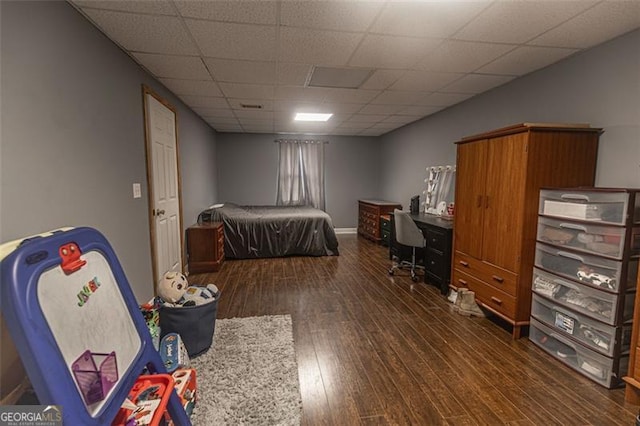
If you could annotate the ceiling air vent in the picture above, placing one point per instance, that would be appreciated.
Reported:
(251, 106)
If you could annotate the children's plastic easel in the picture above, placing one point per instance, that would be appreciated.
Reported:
(76, 324)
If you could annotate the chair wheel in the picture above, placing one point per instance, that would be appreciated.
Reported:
(414, 278)
(390, 271)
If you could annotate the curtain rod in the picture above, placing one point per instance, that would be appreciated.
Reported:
(300, 141)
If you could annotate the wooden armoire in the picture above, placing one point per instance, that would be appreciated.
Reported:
(499, 175)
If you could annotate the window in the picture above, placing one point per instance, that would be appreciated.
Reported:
(301, 173)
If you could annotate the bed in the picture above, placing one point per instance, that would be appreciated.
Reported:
(273, 231)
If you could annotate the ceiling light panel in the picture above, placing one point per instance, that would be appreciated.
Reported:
(312, 116)
(345, 78)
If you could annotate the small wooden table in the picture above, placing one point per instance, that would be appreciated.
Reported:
(205, 247)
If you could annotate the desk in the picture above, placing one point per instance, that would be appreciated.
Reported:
(436, 257)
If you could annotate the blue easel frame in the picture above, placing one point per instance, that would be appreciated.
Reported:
(49, 374)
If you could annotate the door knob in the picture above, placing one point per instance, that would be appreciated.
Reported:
(159, 212)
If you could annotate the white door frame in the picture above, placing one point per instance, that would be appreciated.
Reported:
(150, 192)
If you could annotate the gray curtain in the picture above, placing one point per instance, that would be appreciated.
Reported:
(301, 173)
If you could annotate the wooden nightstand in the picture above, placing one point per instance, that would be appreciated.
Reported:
(205, 247)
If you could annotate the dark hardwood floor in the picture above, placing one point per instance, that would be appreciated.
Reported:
(374, 349)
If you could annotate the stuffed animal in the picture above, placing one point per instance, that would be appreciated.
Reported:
(172, 286)
(199, 295)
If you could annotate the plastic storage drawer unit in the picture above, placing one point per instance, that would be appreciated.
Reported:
(600, 337)
(605, 207)
(597, 304)
(605, 371)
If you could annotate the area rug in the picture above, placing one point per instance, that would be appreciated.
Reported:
(250, 374)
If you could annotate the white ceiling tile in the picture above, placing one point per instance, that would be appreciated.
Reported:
(346, 131)
(368, 118)
(315, 94)
(293, 74)
(255, 122)
(234, 41)
(179, 67)
(401, 119)
(355, 125)
(605, 21)
(443, 99)
(371, 132)
(156, 7)
(462, 56)
(248, 12)
(258, 129)
(350, 95)
(377, 51)
(424, 81)
(342, 16)
(420, 110)
(520, 21)
(229, 128)
(222, 121)
(380, 109)
(392, 97)
(231, 70)
(267, 105)
(214, 113)
(254, 114)
(191, 87)
(247, 91)
(477, 83)
(381, 79)
(195, 101)
(316, 47)
(526, 59)
(426, 18)
(291, 105)
(145, 33)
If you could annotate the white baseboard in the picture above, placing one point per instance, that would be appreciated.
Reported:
(346, 230)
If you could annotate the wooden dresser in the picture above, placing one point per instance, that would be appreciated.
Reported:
(205, 247)
(369, 212)
(499, 175)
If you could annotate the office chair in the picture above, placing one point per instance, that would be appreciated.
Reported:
(408, 234)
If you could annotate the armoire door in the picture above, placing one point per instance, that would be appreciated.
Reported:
(470, 188)
(504, 200)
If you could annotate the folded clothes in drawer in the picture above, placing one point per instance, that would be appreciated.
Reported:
(596, 304)
(595, 239)
(600, 337)
(603, 370)
(592, 270)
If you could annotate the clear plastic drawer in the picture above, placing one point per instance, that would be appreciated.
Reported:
(585, 237)
(592, 270)
(600, 337)
(593, 303)
(605, 371)
(606, 207)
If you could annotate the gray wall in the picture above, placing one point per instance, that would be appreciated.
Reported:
(600, 86)
(248, 171)
(73, 138)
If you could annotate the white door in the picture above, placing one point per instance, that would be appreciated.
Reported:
(162, 162)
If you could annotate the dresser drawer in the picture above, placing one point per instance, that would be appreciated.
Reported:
(595, 335)
(499, 278)
(584, 237)
(487, 294)
(591, 302)
(436, 263)
(605, 371)
(589, 269)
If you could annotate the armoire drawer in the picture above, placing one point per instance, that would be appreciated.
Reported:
(605, 371)
(600, 337)
(591, 302)
(501, 279)
(487, 294)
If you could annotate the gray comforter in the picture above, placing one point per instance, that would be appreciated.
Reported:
(273, 231)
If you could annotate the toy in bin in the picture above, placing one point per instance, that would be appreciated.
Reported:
(185, 384)
(149, 396)
(173, 352)
(95, 382)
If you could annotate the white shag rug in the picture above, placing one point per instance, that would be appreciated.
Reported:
(250, 374)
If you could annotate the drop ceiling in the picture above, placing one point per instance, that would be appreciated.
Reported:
(245, 66)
